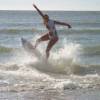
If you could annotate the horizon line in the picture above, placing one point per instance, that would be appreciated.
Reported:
(42, 10)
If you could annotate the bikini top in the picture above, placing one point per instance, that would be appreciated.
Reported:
(51, 26)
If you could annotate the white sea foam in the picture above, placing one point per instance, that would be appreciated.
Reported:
(26, 72)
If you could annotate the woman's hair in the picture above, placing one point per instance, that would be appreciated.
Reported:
(46, 16)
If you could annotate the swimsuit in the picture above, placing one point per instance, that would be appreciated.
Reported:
(52, 29)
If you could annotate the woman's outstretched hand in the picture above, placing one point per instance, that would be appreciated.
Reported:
(69, 26)
(34, 6)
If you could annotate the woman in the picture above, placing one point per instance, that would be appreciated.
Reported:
(52, 34)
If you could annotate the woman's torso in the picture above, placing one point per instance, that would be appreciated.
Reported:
(51, 27)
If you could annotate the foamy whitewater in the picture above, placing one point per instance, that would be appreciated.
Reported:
(72, 69)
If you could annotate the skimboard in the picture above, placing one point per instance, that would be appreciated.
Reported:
(29, 48)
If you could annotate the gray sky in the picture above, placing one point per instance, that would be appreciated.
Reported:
(50, 4)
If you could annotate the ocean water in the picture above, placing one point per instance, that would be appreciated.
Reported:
(74, 64)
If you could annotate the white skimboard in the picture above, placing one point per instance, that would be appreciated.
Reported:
(29, 48)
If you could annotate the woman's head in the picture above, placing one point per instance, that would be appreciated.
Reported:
(46, 17)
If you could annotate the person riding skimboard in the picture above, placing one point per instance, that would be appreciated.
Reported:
(52, 35)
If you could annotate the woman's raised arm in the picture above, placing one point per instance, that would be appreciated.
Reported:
(38, 10)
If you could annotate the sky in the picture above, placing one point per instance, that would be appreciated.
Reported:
(78, 5)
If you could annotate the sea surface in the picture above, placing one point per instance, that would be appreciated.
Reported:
(71, 73)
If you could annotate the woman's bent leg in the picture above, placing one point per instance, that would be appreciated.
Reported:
(42, 38)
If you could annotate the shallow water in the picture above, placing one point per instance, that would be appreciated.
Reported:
(73, 69)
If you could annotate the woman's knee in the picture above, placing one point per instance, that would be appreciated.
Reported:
(55, 39)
